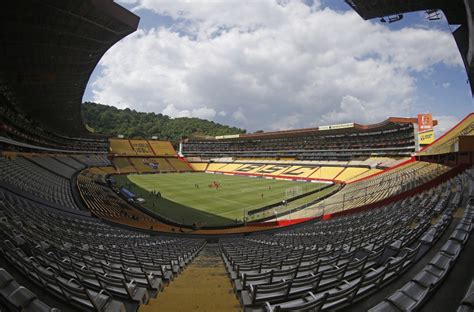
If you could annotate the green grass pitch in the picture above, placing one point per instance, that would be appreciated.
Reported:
(184, 202)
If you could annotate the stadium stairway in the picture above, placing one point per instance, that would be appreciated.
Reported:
(203, 286)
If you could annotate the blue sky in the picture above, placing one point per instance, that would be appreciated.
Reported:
(272, 65)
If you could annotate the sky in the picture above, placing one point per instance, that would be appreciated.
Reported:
(282, 64)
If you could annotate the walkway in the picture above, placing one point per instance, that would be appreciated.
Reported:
(203, 287)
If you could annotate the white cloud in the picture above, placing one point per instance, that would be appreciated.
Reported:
(445, 123)
(269, 64)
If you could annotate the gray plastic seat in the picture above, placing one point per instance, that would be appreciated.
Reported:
(402, 301)
(104, 303)
(343, 295)
(426, 279)
(311, 303)
(415, 291)
(467, 303)
(441, 261)
(464, 226)
(384, 306)
(451, 248)
(122, 289)
(440, 273)
(39, 306)
(21, 297)
(460, 236)
(261, 293)
(246, 280)
(5, 278)
(303, 284)
(7, 283)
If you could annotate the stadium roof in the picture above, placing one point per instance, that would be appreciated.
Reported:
(457, 12)
(49, 50)
(391, 123)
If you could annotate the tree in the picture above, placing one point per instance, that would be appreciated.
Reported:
(132, 124)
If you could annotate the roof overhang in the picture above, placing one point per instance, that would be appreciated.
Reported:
(48, 52)
(390, 123)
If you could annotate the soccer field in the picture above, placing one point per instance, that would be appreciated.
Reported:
(188, 197)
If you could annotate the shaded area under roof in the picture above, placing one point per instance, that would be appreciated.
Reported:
(48, 50)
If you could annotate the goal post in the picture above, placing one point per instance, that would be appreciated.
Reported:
(293, 191)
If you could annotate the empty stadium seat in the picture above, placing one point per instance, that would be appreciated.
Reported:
(19, 298)
(83, 261)
(360, 254)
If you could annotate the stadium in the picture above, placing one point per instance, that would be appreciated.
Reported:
(337, 217)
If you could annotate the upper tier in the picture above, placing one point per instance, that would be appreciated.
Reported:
(393, 137)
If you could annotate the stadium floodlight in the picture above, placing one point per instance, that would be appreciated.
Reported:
(395, 18)
(433, 15)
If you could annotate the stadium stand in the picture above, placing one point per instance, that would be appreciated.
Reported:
(449, 142)
(394, 137)
(15, 297)
(123, 165)
(332, 264)
(214, 166)
(162, 148)
(331, 173)
(141, 147)
(105, 204)
(163, 164)
(36, 180)
(92, 160)
(387, 240)
(275, 170)
(107, 170)
(363, 175)
(424, 284)
(85, 262)
(230, 167)
(376, 188)
(51, 164)
(199, 166)
(349, 173)
(142, 165)
(149, 148)
(142, 156)
(178, 164)
(71, 162)
(121, 147)
(340, 172)
(20, 130)
(467, 302)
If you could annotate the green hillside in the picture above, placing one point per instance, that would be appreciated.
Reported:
(112, 121)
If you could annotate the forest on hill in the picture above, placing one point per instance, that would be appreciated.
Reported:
(132, 124)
